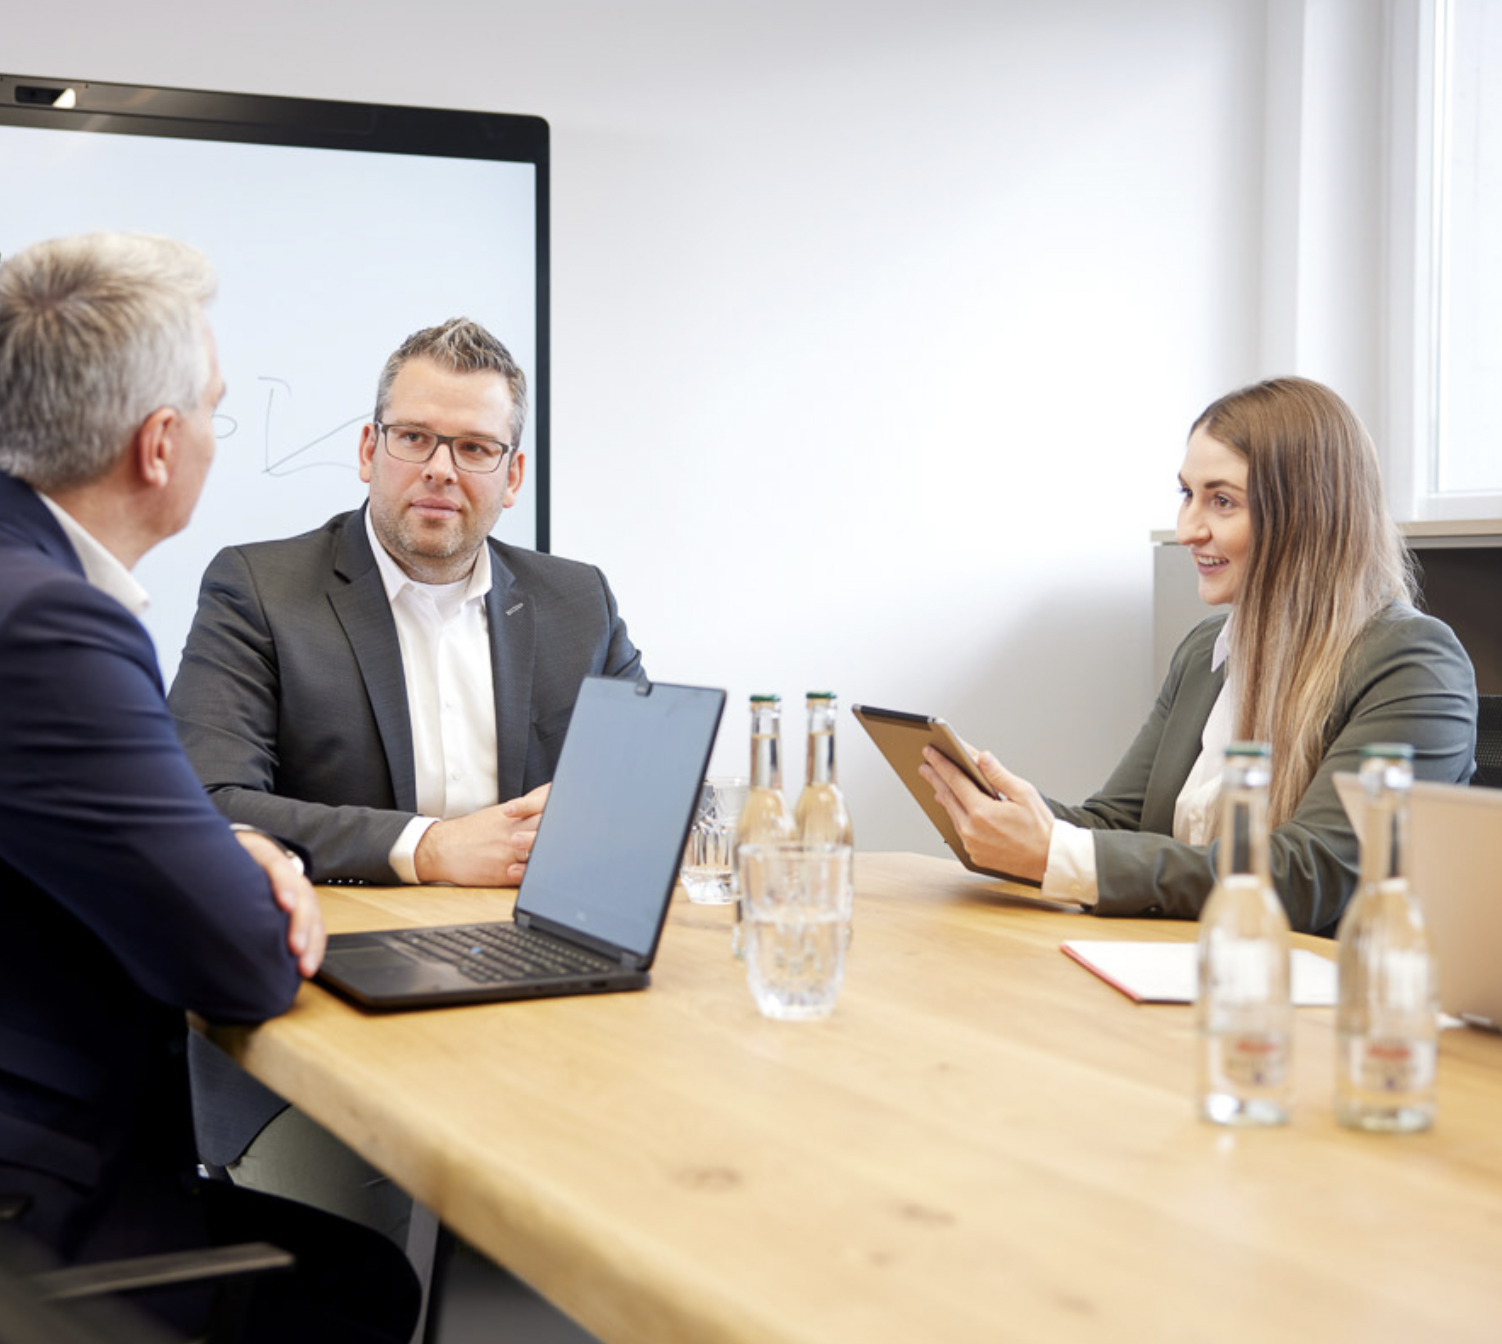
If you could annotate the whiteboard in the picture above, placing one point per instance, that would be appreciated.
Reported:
(328, 258)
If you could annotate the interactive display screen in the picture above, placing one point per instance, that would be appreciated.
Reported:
(337, 230)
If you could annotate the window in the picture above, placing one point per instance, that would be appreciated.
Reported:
(1445, 400)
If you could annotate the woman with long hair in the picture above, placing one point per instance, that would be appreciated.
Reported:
(1322, 653)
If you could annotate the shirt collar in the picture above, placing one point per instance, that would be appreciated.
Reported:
(1222, 649)
(100, 567)
(394, 578)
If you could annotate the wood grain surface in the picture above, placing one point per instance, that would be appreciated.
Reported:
(984, 1142)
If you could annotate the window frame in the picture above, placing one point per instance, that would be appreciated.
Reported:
(1418, 39)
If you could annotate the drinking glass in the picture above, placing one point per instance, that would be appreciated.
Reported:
(707, 859)
(796, 905)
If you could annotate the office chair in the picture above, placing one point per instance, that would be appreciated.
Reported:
(26, 1317)
(1488, 742)
(234, 1267)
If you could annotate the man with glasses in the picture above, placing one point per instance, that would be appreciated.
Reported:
(391, 691)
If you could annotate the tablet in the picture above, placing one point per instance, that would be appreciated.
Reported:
(901, 737)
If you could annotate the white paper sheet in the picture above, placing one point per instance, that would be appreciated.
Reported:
(1165, 972)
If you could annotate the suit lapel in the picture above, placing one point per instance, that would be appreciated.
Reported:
(512, 621)
(359, 600)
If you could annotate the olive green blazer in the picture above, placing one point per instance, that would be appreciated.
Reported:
(1407, 680)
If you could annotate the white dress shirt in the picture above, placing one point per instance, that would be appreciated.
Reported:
(1071, 876)
(100, 567)
(445, 642)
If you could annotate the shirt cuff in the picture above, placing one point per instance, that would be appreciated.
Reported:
(1070, 875)
(404, 851)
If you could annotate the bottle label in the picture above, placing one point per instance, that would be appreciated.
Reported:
(1393, 1065)
(1255, 1059)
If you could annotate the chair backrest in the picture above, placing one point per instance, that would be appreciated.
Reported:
(1488, 742)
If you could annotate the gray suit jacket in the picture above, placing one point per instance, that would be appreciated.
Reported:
(1407, 680)
(292, 704)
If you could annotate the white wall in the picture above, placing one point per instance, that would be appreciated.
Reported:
(877, 327)
(1325, 207)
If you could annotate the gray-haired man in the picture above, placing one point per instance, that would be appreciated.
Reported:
(128, 898)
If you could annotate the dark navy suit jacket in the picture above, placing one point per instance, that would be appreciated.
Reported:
(127, 901)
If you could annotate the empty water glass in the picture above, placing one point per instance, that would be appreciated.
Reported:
(708, 858)
(795, 904)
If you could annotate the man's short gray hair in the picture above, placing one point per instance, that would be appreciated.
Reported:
(96, 332)
(461, 346)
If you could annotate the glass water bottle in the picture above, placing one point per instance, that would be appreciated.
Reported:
(1244, 1010)
(821, 815)
(765, 817)
(1387, 1020)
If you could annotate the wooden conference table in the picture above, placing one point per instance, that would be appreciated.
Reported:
(983, 1143)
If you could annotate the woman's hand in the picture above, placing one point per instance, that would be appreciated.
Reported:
(1010, 834)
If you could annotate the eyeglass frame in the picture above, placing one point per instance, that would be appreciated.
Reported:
(508, 450)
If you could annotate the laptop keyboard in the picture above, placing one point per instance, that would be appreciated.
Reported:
(489, 952)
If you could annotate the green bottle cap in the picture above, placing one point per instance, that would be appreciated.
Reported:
(766, 699)
(1397, 751)
(1260, 749)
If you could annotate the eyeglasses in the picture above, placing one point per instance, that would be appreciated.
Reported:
(408, 443)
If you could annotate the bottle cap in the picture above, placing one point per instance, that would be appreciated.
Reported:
(766, 699)
(1263, 750)
(821, 695)
(1397, 751)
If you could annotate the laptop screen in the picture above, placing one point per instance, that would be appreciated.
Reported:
(1455, 866)
(613, 831)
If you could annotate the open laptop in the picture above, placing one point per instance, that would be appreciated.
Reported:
(1455, 867)
(596, 892)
